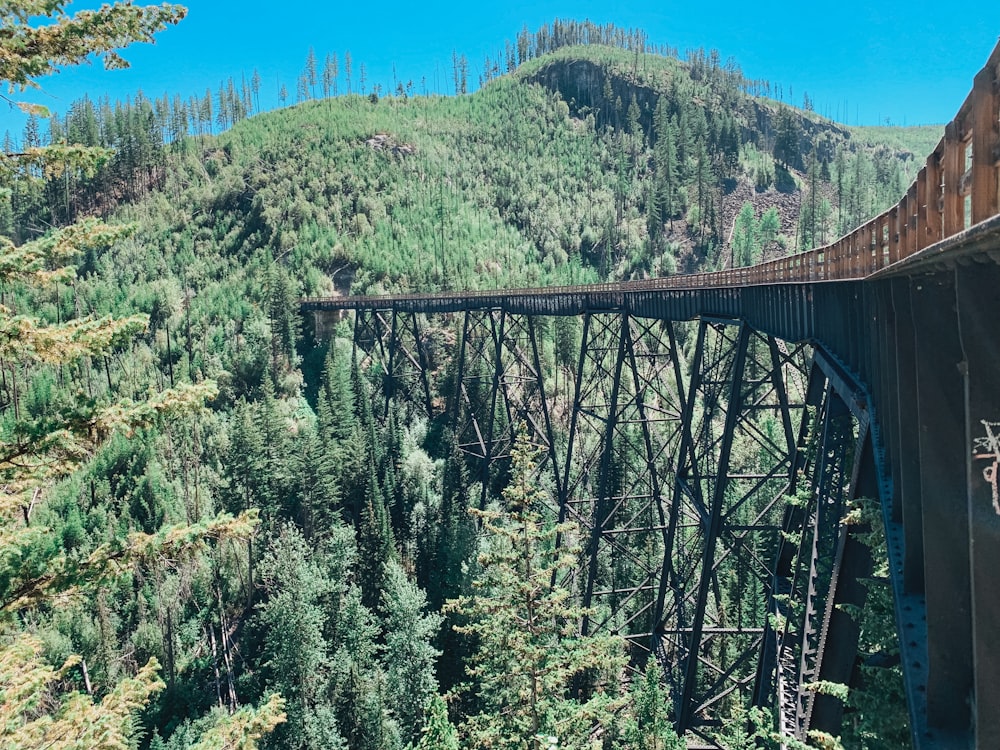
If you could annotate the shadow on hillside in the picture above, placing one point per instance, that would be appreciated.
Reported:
(783, 180)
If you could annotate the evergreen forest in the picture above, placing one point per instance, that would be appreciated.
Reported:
(213, 534)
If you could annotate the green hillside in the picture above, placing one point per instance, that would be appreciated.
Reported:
(588, 162)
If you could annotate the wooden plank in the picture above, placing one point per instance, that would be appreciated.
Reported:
(985, 146)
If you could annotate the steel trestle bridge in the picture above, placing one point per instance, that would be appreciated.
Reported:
(712, 434)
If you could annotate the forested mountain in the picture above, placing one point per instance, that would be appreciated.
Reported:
(580, 162)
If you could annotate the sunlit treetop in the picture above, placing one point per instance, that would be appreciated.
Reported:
(39, 37)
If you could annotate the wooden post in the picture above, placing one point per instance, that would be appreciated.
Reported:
(875, 245)
(903, 223)
(893, 226)
(985, 145)
(932, 178)
(881, 244)
(855, 257)
(912, 229)
(954, 169)
(922, 238)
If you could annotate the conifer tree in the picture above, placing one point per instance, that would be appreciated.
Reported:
(438, 733)
(745, 237)
(276, 490)
(450, 564)
(336, 397)
(456, 533)
(375, 544)
(648, 724)
(255, 88)
(330, 75)
(788, 133)
(409, 656)
(296, 654)
(319, 491)
(40, 447)
(530, 658)
(310, 72)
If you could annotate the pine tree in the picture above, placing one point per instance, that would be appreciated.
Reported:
(36, 50)
(409, 655)
(769, 227)
(745, 242)
(296, 655)
(358, 687)
(635, 128)
(330, 75)
(41, 446)
(788, 134)
(276, 490)
(255, 88)
(648, 724)
(74, 721)
(456, 534)
(375, 544)
(319, 492)
(447, 566)
(342, 458)
(531, 662)
(285, 321)
(665, 164)
(205, 110)
(438, 733)
(310, 72)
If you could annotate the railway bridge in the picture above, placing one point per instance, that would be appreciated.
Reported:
(727, 441)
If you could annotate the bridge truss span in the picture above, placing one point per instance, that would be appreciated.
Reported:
(713, 438)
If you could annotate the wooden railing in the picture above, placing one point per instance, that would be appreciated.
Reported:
(958, 186)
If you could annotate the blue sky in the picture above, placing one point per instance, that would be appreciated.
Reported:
(859, 62)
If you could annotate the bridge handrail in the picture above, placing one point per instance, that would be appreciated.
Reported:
(952, 191)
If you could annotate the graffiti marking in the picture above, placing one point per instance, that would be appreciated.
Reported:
(987, 448)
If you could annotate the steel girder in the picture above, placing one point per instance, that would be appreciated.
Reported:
(607, 445)
(734, 469)
(624, 430)
(800, 600)
(501, 391)
(390, 343)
